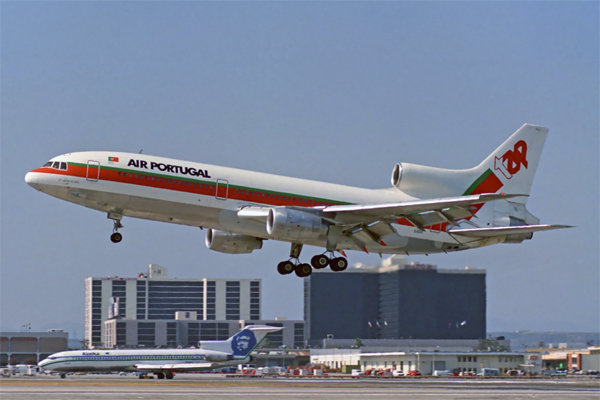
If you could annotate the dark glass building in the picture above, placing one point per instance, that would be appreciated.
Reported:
(412, 301)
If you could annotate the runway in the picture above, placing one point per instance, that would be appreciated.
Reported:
(198, 386)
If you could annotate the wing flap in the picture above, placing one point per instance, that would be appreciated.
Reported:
(422, 212)
(504, 230)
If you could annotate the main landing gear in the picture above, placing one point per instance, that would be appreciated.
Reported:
(319, 261)
(116, 237)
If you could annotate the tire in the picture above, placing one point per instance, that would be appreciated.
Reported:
(303, 270)
(116, 237)
(285, 267)
(319, 261)
(338, 264)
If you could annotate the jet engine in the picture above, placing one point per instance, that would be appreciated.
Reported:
(232, 243)
(288, 224)
(430, 182)
(219, 357)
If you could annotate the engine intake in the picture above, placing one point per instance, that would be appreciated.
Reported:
(231, 243)
(287, 224)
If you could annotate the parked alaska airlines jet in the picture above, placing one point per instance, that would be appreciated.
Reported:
(428, 210)
(162, 362)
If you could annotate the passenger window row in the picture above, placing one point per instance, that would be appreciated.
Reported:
(166, 180)
(280, 197)
(238, 191)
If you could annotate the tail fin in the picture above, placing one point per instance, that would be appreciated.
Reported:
(511, 167)
(243, 342)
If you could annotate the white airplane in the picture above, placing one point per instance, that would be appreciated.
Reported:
(428, 210)
(162, 362)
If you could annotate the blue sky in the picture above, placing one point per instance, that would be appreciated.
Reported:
(331, 91)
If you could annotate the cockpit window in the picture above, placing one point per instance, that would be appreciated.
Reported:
(57, 165)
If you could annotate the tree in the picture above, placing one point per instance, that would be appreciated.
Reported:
(358, 342)
(540, 344)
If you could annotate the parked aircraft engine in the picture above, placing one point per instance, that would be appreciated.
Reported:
(219, 358)
(287, 224)
(232, 243)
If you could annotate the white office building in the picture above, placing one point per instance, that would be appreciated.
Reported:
(156, 297)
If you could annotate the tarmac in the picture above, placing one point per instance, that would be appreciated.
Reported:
(212, 386)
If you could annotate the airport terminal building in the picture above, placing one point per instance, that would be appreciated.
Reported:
(31, 347)
(395, 300)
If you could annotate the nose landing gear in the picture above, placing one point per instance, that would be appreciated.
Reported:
(116, 237)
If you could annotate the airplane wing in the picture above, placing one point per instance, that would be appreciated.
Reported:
(175, 367)
(420, 213)
(504, 230)
(367, 224)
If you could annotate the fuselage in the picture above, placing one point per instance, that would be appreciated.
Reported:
(126, 360)
(208, 196)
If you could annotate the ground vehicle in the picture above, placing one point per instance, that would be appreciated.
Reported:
(442, 373)
(413, 373)
(489, 372)
(559, 373)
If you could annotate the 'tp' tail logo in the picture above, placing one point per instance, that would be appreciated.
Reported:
(243, 342)
(510, 163)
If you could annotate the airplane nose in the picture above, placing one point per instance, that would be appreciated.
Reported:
(31, 179)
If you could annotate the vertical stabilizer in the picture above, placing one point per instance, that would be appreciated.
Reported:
(511, 167)
(243, 342)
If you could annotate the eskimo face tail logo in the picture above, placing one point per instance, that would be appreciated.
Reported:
(510, 163)
(243, 342)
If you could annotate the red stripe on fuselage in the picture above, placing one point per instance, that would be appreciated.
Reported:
(181, 185)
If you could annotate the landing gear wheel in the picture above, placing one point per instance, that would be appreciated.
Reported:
(160, 375)
(62, 376)
(338, 264)
(303, 270)
(169, 375)
(116, 237)
(319, 261)
(285, 267)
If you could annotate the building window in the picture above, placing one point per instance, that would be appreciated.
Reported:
(146, 334)
(232, 300)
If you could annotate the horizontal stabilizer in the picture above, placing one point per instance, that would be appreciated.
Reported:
(504, 230)
(173, 367)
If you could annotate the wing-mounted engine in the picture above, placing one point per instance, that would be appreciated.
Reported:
(232, 243)
(428, 182)
(289, 224)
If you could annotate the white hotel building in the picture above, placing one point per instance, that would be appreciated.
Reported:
(156, 297)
